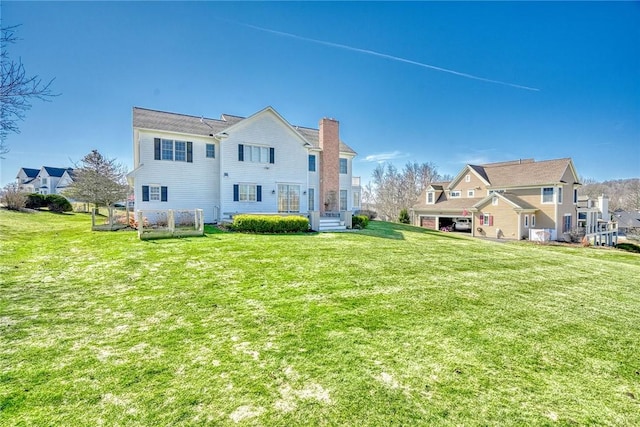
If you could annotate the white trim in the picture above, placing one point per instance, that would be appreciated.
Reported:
(553, 193)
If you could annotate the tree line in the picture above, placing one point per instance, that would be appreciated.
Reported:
(623, 194)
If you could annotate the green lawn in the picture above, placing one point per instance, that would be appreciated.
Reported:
(392, 325)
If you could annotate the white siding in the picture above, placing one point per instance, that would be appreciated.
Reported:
(314, 182)
(346, 182)
(290, 167)
(189, 185)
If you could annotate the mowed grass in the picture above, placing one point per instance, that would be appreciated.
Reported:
(393, 325)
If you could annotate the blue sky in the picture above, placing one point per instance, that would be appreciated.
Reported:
(561, 79)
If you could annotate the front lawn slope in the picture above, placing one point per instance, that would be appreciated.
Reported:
(392, 325)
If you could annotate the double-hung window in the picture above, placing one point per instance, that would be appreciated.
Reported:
(343, 166)
(312, 199)
(256, 153)
(210, 151)
(155, 193)
(559, 195)
(430, 195)
(312, 163)
(343, 200)
(180, 151)
(356, 198)
(547, 195)
(486, 219)
(247, 193)
(168, 149)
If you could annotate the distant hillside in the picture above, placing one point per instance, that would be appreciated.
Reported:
(623, 193)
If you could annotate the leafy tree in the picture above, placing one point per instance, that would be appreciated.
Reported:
(17, 89)
(100, 181)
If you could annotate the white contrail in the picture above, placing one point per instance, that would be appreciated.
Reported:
(384, 55)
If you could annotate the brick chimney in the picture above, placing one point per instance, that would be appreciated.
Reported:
(329, 140)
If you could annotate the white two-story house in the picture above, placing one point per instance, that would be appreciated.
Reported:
(46, 180)
(257, 164)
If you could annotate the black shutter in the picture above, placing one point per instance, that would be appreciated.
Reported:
(259, 193)
(272, 155)
(145, 193)
(163, 194)
(236, 192)
(240, 153)
(156, 151)
(190, 152)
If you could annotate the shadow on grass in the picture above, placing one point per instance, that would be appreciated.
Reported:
(395, 231)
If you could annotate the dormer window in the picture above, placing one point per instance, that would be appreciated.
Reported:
(430, 197)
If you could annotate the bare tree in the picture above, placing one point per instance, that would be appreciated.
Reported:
(17, 89)
(622, 193)
(12, 198)
(391, 190)
(100, 181)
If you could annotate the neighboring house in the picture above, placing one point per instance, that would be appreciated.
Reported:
(628, 222)
(25, 179)
(46, 180)
(258, 164)
(506, 200)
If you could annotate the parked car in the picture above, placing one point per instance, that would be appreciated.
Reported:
(462, 224)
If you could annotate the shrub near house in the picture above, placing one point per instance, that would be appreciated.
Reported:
(270, 224)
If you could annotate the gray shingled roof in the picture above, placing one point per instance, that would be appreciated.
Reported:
(514, 174)
(627, 219)
(172, 122)
(181, 123)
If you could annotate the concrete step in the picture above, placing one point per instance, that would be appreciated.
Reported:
(332, 228)
(331, 224)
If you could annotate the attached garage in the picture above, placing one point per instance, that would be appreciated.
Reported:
(428, 222)
(436, 222)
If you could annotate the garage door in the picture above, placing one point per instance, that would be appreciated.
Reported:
(428, 222)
